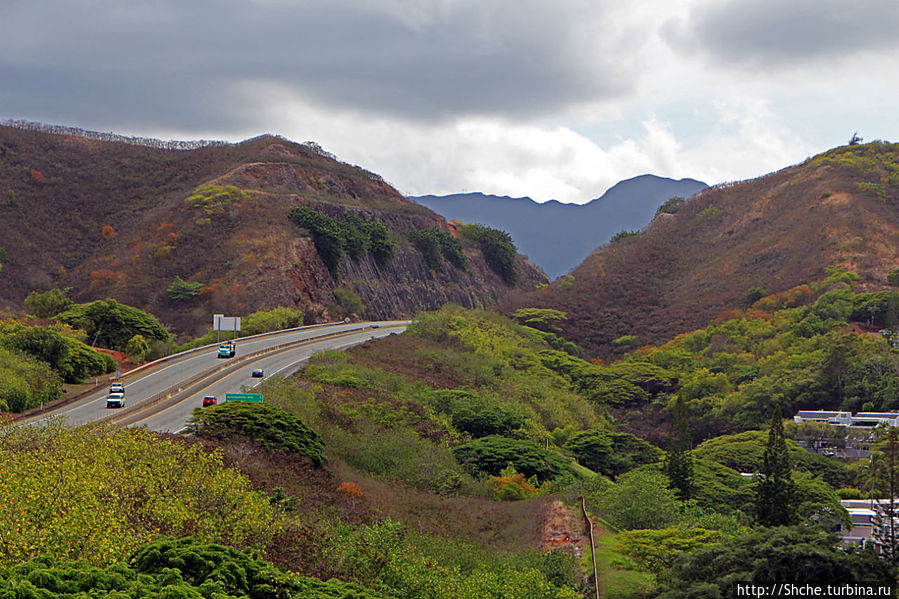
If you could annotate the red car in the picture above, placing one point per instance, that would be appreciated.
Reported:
(209, 400)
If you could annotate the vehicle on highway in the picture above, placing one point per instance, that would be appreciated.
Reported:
(227, 350)
(115, 400)
(209, 400)
(258, 373)
(117, 387)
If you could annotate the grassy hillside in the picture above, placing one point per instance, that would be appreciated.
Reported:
(776, 232)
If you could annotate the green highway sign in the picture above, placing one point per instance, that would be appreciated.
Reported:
(257, 397)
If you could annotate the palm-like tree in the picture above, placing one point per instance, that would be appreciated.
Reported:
(871, 472)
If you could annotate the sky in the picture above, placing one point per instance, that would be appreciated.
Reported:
(554, 99)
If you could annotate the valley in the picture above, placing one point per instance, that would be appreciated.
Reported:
(653, 386)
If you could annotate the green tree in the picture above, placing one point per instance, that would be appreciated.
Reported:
(754, 294)
(270, 426)
(489, 455)
(181, 290)
(611, 453)
(671, 206)
(893, 277)
(48, 303)
(885, 532)
(111, 324)
(137, 348)
(775, 490)
(640, 499)
(498, 248)
(382, 244)
(540, 318)
(26, 382)
(679, 457)
(327, 235)
(427, 242)
(623, 234)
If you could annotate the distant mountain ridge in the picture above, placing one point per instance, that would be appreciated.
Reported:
(839, 209)
(556, 236)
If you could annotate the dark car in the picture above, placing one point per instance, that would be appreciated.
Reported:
(209, 400)
(258, 373)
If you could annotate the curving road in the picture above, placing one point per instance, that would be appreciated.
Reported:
(163, 395)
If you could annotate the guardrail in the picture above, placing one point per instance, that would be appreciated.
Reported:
(49, 407)
(192, 385)
(164, 359)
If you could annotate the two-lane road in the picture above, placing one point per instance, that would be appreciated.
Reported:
(178, 374)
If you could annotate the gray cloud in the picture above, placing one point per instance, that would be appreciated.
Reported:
(784, 33)
(180, 62)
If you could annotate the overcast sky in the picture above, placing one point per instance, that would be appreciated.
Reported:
(558, 99)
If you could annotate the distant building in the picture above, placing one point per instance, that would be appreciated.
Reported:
(863, 513)
(861, 420)
(837, 418)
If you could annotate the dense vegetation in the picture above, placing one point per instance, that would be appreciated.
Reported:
(352, 235)
(498, 248)
(169, 568)
(36, 360)
(98, 494)
(819, 346)
(467, 413)
(436, 246)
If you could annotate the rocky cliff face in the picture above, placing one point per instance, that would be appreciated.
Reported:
(115, 219)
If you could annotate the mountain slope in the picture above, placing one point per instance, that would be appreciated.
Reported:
(840, 208)
(123, 220)
(557, 236)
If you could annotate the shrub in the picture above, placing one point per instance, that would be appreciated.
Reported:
(671, 206)
(276, 319)
(893, 277)
(611, 453)
(26, 382)
(216, 199)
(498, 248)
(48, 303)
(490, 455)
(326, 235)
(620, 235)
(180, 290)
(137, 348)
(382, 245)
(426, 241)
(510, 485)
(271, 427)
(348, 301)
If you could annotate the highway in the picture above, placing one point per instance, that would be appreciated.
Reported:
(163, 396)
